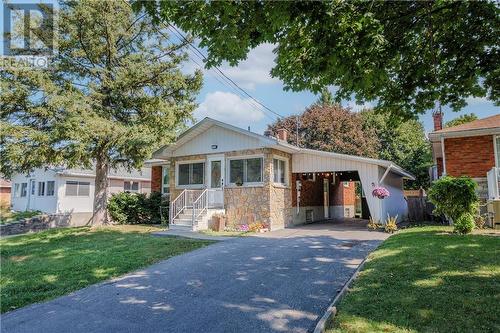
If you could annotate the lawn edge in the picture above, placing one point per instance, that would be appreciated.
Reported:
(331, 311)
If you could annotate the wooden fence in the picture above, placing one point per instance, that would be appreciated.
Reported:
(419, 208)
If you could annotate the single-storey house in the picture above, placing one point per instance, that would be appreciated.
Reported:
(216, 167)
(471, 149)
(71, 191)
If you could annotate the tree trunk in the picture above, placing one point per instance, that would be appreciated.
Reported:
(100, 214)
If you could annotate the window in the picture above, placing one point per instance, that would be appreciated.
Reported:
(16, 190)
(24, 189)
(41, 189)
(130, 186)
(165, 180)
(50, 188)
(279, 168)
(245, 170)
(33, 186)
(191, 174)
(74, 188)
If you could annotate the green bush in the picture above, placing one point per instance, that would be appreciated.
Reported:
(454, 197)
(464, 224)
(136, 208)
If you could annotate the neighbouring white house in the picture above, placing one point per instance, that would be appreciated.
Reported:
(252, 178)
(71, 191)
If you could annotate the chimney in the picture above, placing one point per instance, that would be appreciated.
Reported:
(282, 134)
(438, 120)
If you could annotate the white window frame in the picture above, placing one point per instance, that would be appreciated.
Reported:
(17, 190)
(163, 185)
(190, 186)
(495, 149)
(245, 157)
(77, 188)
(131, 181)
(41, 188)
(25, 189)
(47, 188)
(287, 171)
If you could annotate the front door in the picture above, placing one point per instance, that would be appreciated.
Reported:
(215, 179)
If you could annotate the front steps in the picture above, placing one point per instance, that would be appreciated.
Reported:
(184, 221)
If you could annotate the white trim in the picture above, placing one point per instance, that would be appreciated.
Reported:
(210, 159)
(495, 149)
(191, 186)
(244, 157)
(434, 136)
(443, 157)
(287, 172)
(162, 178)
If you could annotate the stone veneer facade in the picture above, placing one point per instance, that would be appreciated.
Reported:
(267, 203)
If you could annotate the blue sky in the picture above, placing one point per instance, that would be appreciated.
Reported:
(219, 101)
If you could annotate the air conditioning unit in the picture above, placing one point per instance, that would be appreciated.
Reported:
(494, 213)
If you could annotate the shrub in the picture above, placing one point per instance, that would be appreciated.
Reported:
(372, 224)
(453, 197)
(390, 224)
(464, 223)
(135, 208)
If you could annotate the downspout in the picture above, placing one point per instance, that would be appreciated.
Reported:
(444, 157)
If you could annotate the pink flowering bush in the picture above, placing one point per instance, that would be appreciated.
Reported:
(380, 192)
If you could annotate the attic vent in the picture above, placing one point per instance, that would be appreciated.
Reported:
(309, 215)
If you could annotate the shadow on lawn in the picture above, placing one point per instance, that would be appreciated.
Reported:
(426, 281)
(52, 263)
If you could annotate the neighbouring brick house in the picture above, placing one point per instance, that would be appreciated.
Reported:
(215, 167)
(470, 149)
(5, 188)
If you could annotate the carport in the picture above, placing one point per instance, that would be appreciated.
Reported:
(323, 186)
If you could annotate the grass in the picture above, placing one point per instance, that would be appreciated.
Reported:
(8, 216)
(41, 266)
(426, 279)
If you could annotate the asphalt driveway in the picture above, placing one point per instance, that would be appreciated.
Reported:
(276, 282)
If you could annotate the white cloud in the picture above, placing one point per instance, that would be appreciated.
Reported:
(253, 71)
(477, 100)
(357, 107)
(229, 108)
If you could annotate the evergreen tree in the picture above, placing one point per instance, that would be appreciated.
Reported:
(112, 94)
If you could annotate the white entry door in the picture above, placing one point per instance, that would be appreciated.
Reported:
(215, 177)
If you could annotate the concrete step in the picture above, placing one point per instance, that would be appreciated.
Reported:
(180, 227)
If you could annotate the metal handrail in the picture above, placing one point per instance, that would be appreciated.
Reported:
(177, 206)
(201, 204)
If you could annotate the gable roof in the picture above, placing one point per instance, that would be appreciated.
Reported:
(488, 125)
(268, 142)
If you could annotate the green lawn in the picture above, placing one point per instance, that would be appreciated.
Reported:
(38, 267)
(426, 280)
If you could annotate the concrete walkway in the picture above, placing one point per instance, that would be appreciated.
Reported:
(190, 234)
(275, 282)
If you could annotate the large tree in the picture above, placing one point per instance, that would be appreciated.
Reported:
(403, 143)
(463, 119)
(330, 127)
(113, 92)
(404, 55)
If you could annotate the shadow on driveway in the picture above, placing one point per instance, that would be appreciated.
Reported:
(281, 281)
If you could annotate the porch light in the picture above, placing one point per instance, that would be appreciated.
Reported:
(214, 146)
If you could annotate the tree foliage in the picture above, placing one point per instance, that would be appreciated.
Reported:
(330, 128)
(403, 143)
(405, 55)
(325, 97)
(113, 92)
(454, 197)
(463, 119)
(367, 133)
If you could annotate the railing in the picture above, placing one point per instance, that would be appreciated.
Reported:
(493, 183)
(200, 205)
(177, 205)
(198, 200)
